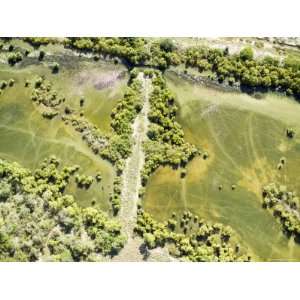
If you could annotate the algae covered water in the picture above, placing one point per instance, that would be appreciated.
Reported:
(245, 140)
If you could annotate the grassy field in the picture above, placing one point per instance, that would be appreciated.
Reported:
(245, 139)
(27, 137)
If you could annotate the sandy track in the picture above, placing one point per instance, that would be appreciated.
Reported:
(131, 183)
(131, 178)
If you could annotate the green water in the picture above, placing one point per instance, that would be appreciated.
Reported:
(245, 144)
(27, 138)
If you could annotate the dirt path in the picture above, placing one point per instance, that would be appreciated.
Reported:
(131, 175)
(131, 183)
(131, 179)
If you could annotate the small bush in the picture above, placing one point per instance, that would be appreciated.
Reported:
(55, 68)
(246, 53)
(290, 133)
(3, 84)
(14, 58)
(41, 55)
(167, 45)
(11, 82)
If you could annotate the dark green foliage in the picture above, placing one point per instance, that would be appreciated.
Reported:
(163, 54)
(3, 84)
(166, 145)
(43, 93)
(123, 115)
(49, 114)
(38, 222)
(116, 147)
(253, 74)
(38, 41)
(207, 242)
(246, 53)
(285, 207)
(84, 181)
(90, 133)
(290, 133)
(292, 62)
(41, 55)
(127, 109)
(131, 50)
(115, 198)
(11, 82)
(55, 68)
(81, 101)
(183, 173)
(167, 45)
(4, 190)
(14, 58)
(98, 177)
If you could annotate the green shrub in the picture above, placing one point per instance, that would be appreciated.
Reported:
(290, 133)
(55, 68)
(40, 223)
(14, 58)
(246, 53)
(167, 45)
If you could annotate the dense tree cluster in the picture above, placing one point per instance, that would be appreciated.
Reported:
(127, 108)
(242, 69)
(285, 207)
(163, 54)
(189, 238)
(39, 41)
(91, 134)
(120, 142)
(39, 222)
(44, 94)
(122, 118)
(84, 181)
(166, 145)
(115, 198)
(131, 50)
